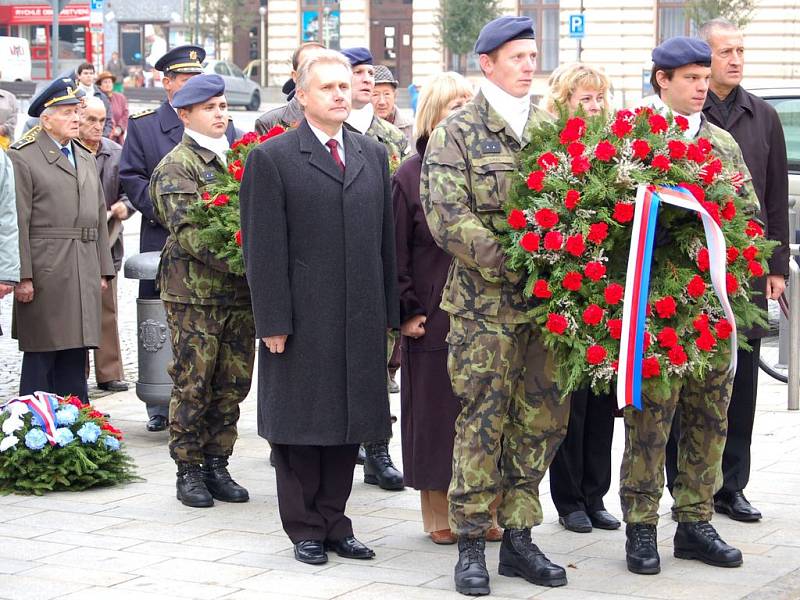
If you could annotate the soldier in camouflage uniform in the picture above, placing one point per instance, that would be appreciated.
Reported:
(208, 307)
(680, 76)
(513, 417)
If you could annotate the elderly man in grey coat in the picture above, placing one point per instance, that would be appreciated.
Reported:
(9, 241)
(318, 240)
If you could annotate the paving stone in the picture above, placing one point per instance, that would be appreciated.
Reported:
(173, 588)
(20, 587)
(101, 559)
(198, 571)
(21, 549)
(78, 573)
(315, 586)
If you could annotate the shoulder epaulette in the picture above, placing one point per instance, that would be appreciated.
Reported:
(143, 113)
(22, 142)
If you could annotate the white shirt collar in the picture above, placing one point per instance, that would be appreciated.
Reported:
(218, 146)
(361, 118)
(515, 111)
(324, 137)
(695, 120)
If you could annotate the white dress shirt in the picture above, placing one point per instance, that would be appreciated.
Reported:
(324, 137)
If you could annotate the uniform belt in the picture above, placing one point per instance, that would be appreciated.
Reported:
(84, 234)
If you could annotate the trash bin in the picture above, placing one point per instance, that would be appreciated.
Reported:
(154, 347)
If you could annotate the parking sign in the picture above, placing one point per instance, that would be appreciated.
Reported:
(577, 26)
(97, 5)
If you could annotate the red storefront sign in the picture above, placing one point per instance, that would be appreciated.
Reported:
(42, 14)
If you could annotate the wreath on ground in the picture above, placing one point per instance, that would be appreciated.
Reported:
(49, 443)
(569, 227)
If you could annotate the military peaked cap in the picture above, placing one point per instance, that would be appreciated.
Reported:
(182, 59)
(501, 30)
(679, 51)
(60, 92)
(198, 89)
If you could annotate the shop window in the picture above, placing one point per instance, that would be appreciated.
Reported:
(672, 20)
(545, 15)
(321, 22)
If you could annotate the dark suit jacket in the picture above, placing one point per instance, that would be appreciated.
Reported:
(320, 257)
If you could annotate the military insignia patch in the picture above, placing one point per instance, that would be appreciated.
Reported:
(490, 147)
(143, 113)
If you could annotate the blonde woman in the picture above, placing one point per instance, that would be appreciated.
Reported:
(575, 86)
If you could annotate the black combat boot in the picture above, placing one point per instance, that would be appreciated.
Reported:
(379, 469)
(641, 549)
(700, 541)
(219, 481)
(191, 489)
(520, 557)
(471, 576)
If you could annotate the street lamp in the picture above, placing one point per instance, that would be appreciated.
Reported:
(262, 12)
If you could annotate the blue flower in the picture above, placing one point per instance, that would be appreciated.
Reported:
(63, 436)
(67, 415)
(35, 439)
(89, 432)
(111, 442)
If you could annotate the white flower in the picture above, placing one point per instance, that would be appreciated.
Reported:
(8, 442)
(12, 423)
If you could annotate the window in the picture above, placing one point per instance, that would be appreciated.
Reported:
(789, 112)
(321, 22)
(545, 15)
(672, 20)
(221, 69)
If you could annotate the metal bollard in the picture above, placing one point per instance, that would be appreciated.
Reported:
(794, 330)
(154, 349)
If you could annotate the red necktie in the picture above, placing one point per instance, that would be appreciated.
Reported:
(334, 146)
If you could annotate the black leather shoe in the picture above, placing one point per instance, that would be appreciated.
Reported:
(700, 541)
(219, 481)
(602, 519)
(520, 557)
(379, 468)
(350, 547)
(362, 456)
(113, 386)
(191, 489)
(737, 507)
(577, 521)
(157, 423)
(641, 549)
(310, 552)
(471, 576)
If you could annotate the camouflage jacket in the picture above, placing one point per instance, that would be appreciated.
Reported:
(189, 273)
(469, 169)
(390, 136)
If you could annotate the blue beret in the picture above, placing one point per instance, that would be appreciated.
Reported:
(58, 93)
(357, 56)
(198, 89)
(679, 51)
(501, 30)
(182, 59)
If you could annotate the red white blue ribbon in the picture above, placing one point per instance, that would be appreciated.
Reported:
(43, 406)
(637, 282)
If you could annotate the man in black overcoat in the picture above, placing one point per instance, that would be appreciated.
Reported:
(318, 241)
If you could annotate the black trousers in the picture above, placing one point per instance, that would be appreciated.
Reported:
(61, 372)
(741, 416)
(580, 473)
(314, 484)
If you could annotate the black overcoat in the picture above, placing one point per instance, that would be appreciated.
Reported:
(320, 259)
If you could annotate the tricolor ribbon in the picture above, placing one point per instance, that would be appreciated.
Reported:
(43, 405)
(637, 282)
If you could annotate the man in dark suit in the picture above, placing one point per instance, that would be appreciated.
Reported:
(151, 135)
(318, 241)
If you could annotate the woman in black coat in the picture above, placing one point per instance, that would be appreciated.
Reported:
(428, 406)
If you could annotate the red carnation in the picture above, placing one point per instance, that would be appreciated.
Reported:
(723, 329)
(640, 149)
(593, 315)
(665, 307)
(753, 229)
(516, 219)
(236, 169)
(575, 245)
(756, 270)
(705, 341)
(732, 254)
(277, 130)
(572, 199)
(667, 337)
(677, 356)
(579, 165)
(729, 210)
(694, 154)
(701, 322)
(613, 293)
(750, 252)
(703, 262)
(605, 151)
(547, 161)
(535, 180)
(623, 212)
(238, 237)
(682, 122)
(731, 283)
(704, 144)
(529, 242)
(597, 233)
(556, 323)
(553, 240)
(206, 196)
(621, 127)
(696, 287)
(541, 289)
(594, 270)
(572, 281)
(575, 149)
(221, 200)
(713, 210)
(646, 341)
(711, 170)
(573, 130)
(677, 149)
(651, 367)
(696, 191)
(595, 354)
(75, 401)
(661, 162)
(546, 218)
(658, 124)
(615, 328)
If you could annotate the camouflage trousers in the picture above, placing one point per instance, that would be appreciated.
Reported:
(512, 420)
(704, 428)
(213, 349)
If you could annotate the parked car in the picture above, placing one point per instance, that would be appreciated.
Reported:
(15, 59)
(787, 102)
(239, 90)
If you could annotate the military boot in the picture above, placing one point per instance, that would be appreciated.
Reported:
(700, 541)
(471, 576)
(191, 489)
(520, 557)
(641, 549)
(379, 468)
(220, 483)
